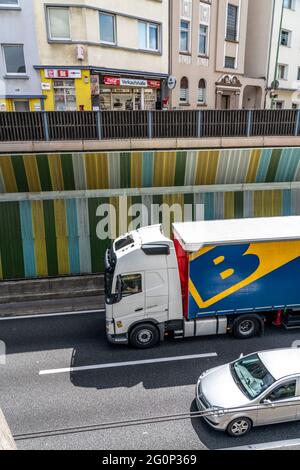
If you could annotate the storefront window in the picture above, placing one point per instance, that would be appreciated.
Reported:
(150, 97)
(127, 99)
(21, 105)
(64, 95)
(125, 94)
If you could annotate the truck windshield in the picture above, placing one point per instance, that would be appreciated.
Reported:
(251, 376)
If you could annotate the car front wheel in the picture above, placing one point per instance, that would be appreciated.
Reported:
(239, 427)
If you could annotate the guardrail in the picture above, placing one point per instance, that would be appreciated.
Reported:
(115, 125)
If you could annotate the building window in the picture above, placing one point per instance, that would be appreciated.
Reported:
(184, 90)
(59, 23)
(21, 105)
(279, 105)
(232, 22)
(14, 58)
(282, 72)
(148, 36)
(288, 4)
(64, 95)
(107, 28)
(285, 38)
(229, 62)
(294, 106)
(203, 39)
(298, 77)
(184, 36)
(202, 92)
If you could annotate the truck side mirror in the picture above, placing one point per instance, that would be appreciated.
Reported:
(119, 288)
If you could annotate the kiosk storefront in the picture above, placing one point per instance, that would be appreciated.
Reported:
(130, 94)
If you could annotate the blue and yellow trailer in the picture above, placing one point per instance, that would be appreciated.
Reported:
(247, 268)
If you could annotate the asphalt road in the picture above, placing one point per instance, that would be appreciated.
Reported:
(70, 407)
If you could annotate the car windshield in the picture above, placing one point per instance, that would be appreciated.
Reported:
(251, 376)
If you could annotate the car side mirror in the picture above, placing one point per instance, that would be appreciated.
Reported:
(267, 402)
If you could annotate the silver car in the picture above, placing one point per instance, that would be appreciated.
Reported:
(255, 390)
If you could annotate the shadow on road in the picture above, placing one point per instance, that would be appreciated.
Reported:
(84, 336)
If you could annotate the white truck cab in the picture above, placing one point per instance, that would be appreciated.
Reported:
(142, 287)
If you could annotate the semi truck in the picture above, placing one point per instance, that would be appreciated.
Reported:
(208, 278)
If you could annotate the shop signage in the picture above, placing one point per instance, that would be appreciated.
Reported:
(131, 82)
(62, 73)
(153, 83)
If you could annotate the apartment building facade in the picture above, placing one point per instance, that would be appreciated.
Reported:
(208, 55)
(285, 56)
(101, 55)
(19, 82)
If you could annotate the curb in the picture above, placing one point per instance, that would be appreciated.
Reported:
(6, 439)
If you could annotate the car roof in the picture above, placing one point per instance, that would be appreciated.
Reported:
(281, 362)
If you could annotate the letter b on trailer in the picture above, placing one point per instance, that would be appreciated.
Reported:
(222, 268)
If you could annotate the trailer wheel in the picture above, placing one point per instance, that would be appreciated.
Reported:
(144, 336)
(245, 327)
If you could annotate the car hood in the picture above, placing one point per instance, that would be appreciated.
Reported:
(220, 389)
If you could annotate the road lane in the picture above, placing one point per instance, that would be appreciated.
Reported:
(126, 364)
(85, 397)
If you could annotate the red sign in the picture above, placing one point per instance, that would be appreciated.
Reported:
(111, 81)
(63, 73)
(131, 82)
(153, 83)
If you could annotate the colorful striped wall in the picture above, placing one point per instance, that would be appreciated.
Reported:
(69, 172)
(58, 237)
(53, 234)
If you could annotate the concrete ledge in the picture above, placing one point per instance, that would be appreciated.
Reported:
(52, 306)
(6, 440)
(148, 144)
(46, 289)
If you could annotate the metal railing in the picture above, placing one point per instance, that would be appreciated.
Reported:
(115, 125)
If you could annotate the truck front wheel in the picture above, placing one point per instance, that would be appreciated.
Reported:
(144, 336)
(246, 326)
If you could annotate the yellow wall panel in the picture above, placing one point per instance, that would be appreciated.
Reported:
(136, 170)
(96, 170)
(32, 173)
(8, 174)
(164, 169)
(253, 166)
(56, 172)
